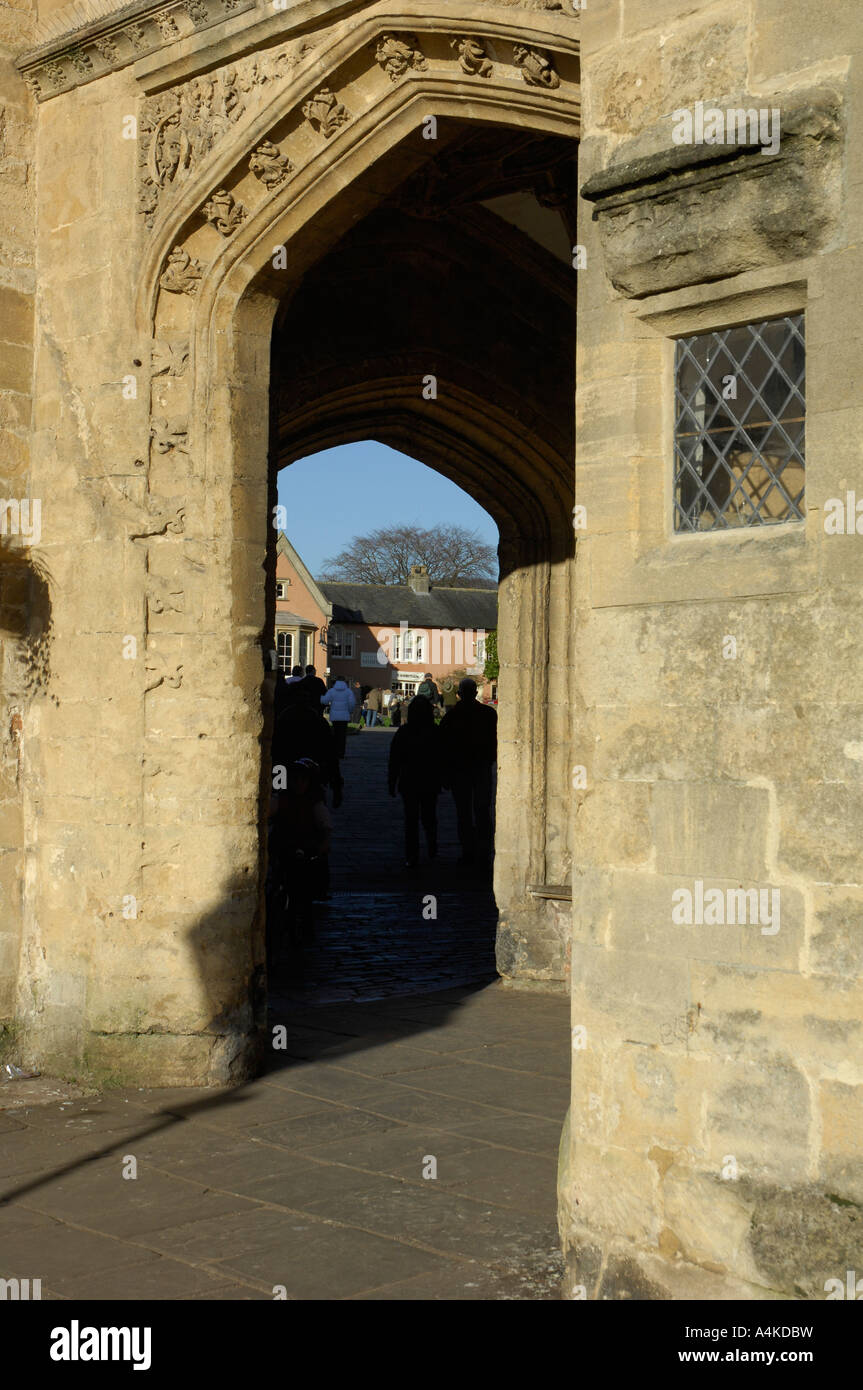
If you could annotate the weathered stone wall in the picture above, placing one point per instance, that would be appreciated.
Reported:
(142, 939)
(17, 297)
(715, 1142)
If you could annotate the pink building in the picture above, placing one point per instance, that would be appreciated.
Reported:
(381, 634)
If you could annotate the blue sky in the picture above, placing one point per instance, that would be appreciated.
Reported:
(340, 493)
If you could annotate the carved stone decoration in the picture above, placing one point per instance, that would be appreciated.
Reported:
(34, 84)
(178, 128)
(160, 673)
(55, 74)
(269, 165)
(157, 521)
(398, 55)
(182, 273)
(136, 35)
(537, 68)
(81, 62)
(170, 356)
(161, 599)
(325, 112)
(472, 57)
(107, 48)
(223, 213)
(168, 435)
(197, 11)
(167, 26)
(677, 217)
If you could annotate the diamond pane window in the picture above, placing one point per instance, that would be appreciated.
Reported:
(739, 419)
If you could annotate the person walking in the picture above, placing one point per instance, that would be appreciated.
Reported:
(395, 710)
(374, 705)
(340, 701)
(315, 686)
(414, 770)
(469, 753)
(429, 690)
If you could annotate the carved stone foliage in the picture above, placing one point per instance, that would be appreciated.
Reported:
(170, 356)
(182, 273)
(169, 435)
(154, 520)
(163, 599)
(472, 57)
(160, 671)
(325, 112)
(224, 213)
(537, 68)
(179, 127)
(269, 165)
(398, 55)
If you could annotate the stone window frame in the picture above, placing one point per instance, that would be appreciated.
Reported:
(749, 426)
(283, 585)
(710, 308)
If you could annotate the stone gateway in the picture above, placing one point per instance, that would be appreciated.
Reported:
(235, 233)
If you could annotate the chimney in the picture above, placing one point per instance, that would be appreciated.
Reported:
(418, 579)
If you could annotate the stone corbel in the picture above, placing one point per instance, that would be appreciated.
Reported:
(699, 212)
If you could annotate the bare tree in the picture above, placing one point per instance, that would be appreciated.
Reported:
(453, 556)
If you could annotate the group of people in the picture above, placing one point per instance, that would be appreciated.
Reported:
(459, 755)
(425, 758)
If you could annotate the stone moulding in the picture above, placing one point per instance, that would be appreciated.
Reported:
(697, 213)
(180, 126)
(291, 84)
(130, 33)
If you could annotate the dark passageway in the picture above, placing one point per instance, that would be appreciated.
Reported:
(372, 940)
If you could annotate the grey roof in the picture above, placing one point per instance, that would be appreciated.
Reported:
(284, 619)
(390, 604)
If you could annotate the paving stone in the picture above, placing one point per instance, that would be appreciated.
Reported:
(514, 1091)
(309, 1132)
(331, 1262)
(526, 1133)
(157, 1278)
(99, 1198)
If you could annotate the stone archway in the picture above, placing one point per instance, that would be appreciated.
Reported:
(231, 234)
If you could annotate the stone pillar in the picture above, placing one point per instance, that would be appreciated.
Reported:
(714, 1143)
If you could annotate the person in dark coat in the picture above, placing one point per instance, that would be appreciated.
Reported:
(469, 749)
(315, 687)
(299, 732)
(414, 770)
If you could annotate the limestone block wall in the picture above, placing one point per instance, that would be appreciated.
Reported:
(142, 933)
(716, 1132)
(17, 297)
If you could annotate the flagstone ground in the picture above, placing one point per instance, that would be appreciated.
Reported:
(311, 1178)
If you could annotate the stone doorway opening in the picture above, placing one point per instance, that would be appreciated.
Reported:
(388, 917)
(442, 323)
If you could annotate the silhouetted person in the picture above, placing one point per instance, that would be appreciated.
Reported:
(315, 686)
(469, 747)
(340, 702)
(300, 732)
(414, 770)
